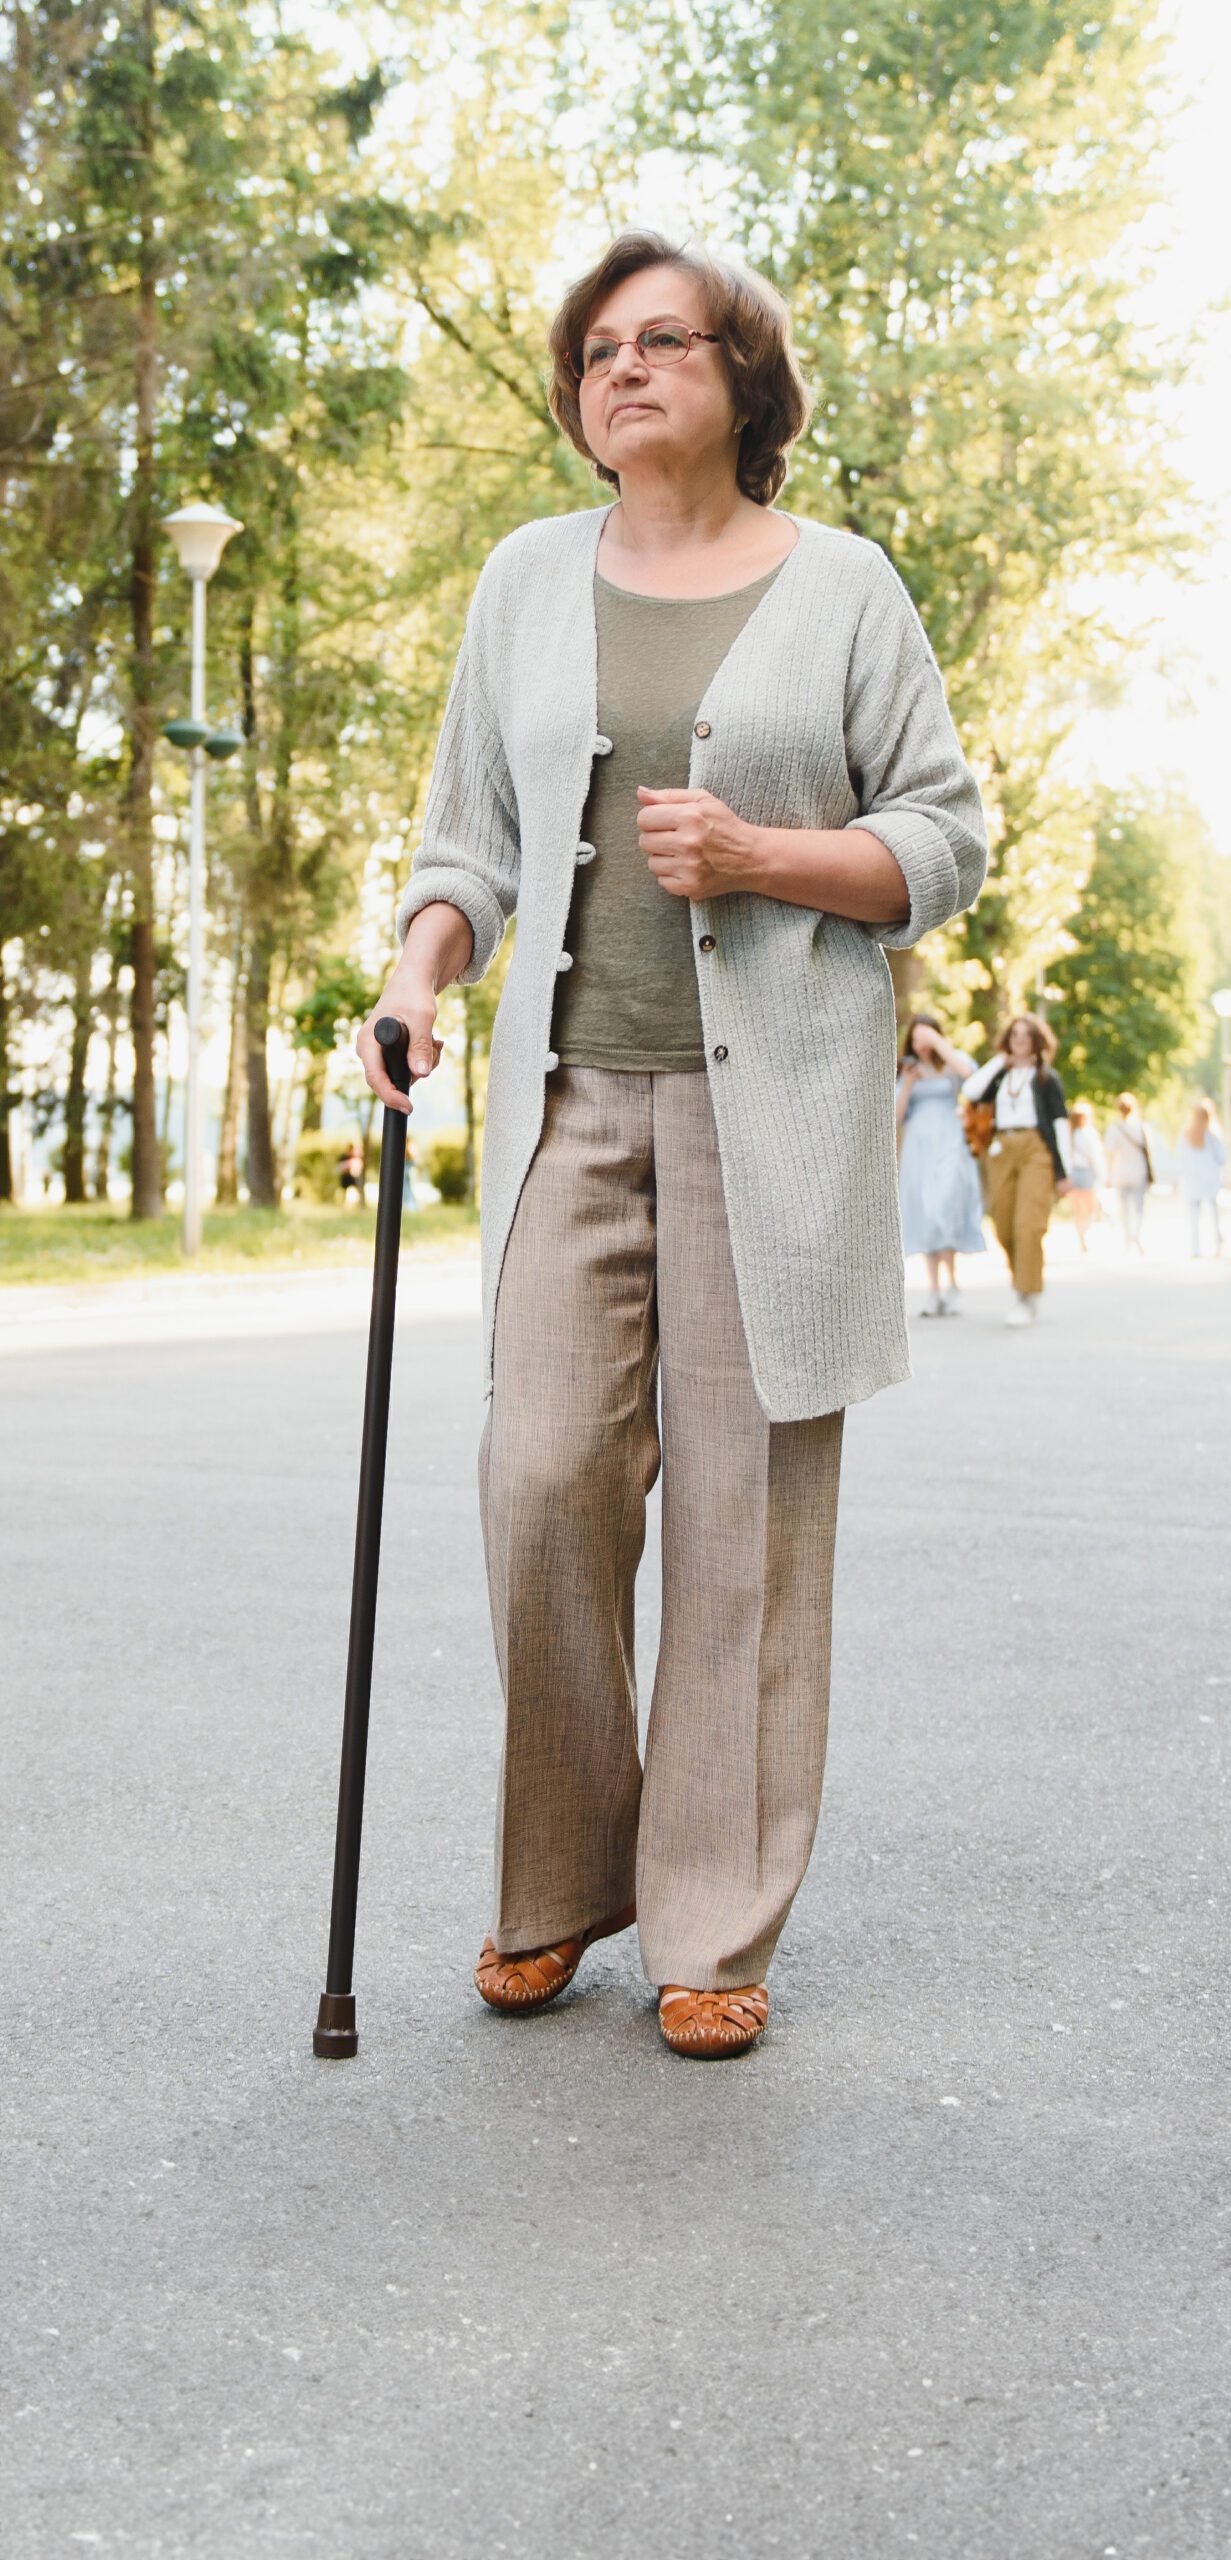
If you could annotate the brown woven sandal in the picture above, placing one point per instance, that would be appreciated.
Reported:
(519, 1982)
(710, 2026)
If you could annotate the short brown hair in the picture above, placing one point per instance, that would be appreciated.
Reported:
(749, 317)
(1042, 1039)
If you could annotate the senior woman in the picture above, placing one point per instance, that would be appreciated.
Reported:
(702, 747)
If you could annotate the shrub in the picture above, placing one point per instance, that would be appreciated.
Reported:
(316, 1165)
(444, 1163)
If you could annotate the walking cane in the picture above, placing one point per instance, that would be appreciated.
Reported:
(335, 2035)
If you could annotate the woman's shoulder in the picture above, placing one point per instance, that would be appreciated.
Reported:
(851, 558)
(542, 541)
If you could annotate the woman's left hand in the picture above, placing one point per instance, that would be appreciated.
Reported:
(696, 847)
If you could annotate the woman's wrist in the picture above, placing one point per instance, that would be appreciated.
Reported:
(842, 871)
(439, 944)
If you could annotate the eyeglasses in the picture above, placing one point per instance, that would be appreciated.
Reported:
(664, 342)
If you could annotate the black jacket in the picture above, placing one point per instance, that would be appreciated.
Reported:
(1049, 1106)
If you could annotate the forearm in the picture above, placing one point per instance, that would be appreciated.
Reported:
(842, 871)
(439, 942)
(976, 1085)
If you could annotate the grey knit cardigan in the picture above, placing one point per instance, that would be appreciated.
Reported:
(827, 711)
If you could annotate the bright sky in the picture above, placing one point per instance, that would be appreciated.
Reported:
(1176, 715)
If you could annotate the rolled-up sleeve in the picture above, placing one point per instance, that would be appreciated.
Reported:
(915, 790)
(470, 850)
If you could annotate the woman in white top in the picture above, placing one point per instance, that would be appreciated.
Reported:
(1087, 1171)
(1129, 1170)
(1030, 1156)
(1199, 1161)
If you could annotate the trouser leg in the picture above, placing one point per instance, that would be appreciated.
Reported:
(568, 1454)
(1002, 1195)
(736, 1747)
(1036, 1190)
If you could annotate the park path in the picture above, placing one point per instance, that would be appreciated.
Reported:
(932, 2273)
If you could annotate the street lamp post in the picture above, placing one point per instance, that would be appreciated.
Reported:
(200, 534)
(1221, 1001)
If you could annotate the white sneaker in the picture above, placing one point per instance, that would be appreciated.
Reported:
(1019, 1313)
(932, 1305)
(950, 1302)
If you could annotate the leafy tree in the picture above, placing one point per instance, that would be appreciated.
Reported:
(1124, 998)
(340, 1000)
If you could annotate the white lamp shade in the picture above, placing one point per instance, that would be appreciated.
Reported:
(200, 534)
(1221, 1001)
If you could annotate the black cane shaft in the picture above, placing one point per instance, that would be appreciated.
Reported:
(335, 2033)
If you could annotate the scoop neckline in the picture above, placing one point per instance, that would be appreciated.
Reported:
(724, 595)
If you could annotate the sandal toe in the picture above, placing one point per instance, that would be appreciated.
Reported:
(711, 2025)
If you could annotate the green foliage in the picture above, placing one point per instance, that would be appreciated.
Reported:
(318, 1153)
(444, 1163)
(1125, 997)
(340, 997)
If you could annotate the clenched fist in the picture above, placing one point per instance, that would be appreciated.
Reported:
(696, 847)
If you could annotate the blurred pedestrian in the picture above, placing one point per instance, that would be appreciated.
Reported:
(1199, 1161)
(1029, 1157)
(350, 1175)
(1129, 1169)
(1087, 1171)
(942, 1205)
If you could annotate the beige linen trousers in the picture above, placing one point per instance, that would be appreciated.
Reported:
(618, 1279)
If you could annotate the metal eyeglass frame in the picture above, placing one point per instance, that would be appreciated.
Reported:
(655, 363)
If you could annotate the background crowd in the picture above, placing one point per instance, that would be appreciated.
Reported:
(1002, 1140)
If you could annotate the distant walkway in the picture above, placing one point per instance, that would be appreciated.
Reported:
(189, 1306)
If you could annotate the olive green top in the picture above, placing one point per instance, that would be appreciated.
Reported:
(630, 997)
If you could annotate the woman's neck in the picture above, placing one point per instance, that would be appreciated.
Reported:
(708, 556)
(658, 511)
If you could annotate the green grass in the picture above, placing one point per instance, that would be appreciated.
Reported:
(40, 1246)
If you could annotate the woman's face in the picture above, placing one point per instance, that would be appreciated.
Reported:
(1021, 1044)
(648, 419)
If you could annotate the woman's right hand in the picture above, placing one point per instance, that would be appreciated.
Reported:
(410, 995)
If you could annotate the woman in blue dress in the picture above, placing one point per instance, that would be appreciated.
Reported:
(942, 1206)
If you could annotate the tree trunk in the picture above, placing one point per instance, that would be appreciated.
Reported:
(6, 1098)
(75, 1098)
(315, 1084)
(262, 1184)
(110, 1010)
(227, 1191)
(146, 1161)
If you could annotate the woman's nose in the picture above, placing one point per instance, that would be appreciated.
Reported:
(629, 365)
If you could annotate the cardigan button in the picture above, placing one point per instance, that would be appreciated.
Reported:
(706, 942)
(552, 1060)
(602, 745)
(720, 1052)
(565, 961)
(702, 729)
(586, 852)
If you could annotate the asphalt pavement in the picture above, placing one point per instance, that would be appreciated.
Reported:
(936, 2270)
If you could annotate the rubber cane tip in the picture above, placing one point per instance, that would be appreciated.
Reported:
(335, 2037)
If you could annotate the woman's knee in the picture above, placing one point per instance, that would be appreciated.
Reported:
(557, 1458)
